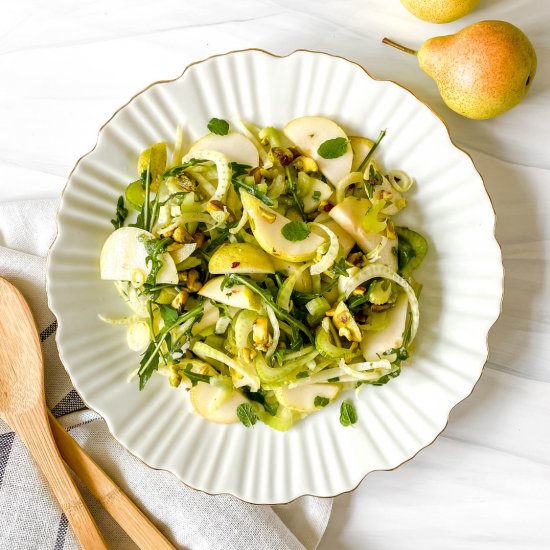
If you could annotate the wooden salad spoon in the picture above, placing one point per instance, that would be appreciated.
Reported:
(23, 407)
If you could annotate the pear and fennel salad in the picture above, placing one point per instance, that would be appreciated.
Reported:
(264, 270)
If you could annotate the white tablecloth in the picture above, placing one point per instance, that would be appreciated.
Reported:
(485, 483)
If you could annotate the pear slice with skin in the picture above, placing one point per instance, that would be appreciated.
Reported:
(360, 147)
(267, 225)
(349, 216)
(123, 258)
(303, 283)
(302, 398)
(237, 296)
(203, 395)
(235, 147)
(240, 258)
(308, 133)
(375, 343)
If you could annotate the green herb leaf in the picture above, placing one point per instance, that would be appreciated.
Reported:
(148, 364)
(155, 248)
(303, 374)
(296, 325)
(121, 213)
(340, 267)
(333, 148)
(292, 187)
(335, 379)
(348, 414)
(169, 314)
(195, 377)
(247, 415)
(316, 196)
(321, 401)
(295, 231)
(363, 164)
(218, 126)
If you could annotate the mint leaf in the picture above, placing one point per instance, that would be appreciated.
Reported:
(320, 401)
(218, 126)
(295, 231)
(247, 415)
(333, 148)
(348, 415)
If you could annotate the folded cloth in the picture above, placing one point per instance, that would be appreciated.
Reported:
(30, 517)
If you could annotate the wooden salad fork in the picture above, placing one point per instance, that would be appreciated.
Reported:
(23, 407)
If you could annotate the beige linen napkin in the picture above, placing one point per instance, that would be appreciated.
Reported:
(29, 516)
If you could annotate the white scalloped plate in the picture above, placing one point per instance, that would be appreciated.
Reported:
(461, 298)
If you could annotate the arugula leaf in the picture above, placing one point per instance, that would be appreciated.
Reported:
(241, 170)
(149, 363)
(371, 152)
(121, 213)
(150, 359)
(321, 401)
(168, 313)
(154, 248)
(238, 169)
(333, 148)
(375, 178)
(303, 374)
(142, 221)
(247, 415)
(348, 414)
(295, 231)
(235, 278)
(335, 379)
(195, 377)
(218, 126)
(340, 268)
(294, 191)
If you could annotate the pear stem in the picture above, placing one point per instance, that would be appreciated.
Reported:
(399, 46)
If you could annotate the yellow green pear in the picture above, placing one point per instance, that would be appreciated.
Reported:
(481, 71)
(440, 11)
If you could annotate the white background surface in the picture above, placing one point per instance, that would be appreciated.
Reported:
(65, 67)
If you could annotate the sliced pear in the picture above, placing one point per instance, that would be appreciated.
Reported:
(235, 146)
(237, 296)
(267, 225)
(303, 283)
(345, 239)
(308, 133)
(349, 216)
(123, 258)
(374, 344)
(209, 318)
(360, 147)
(203, 395)
(302, 398)
(313, 191)
(240, 258)
(154, 159)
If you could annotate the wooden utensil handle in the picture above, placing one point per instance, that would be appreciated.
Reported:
(136, 524)
(34, 430)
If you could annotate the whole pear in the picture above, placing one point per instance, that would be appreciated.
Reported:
(481, 71)
(440, 11)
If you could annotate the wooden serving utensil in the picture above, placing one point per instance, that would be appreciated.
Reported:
(136, 524)
(23, 407)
